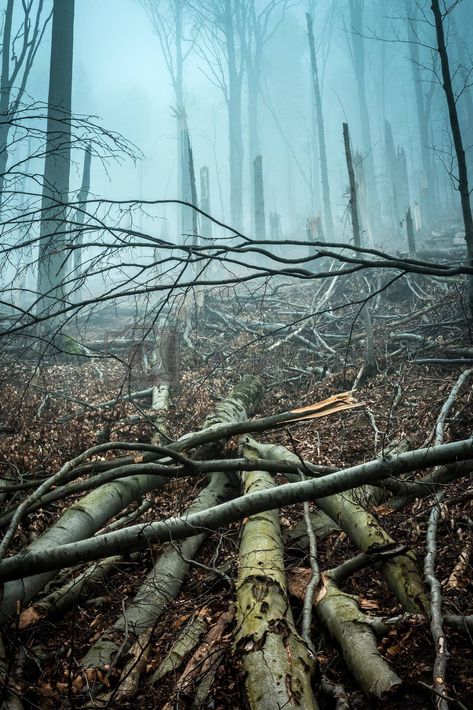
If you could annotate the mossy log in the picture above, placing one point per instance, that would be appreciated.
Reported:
(401, 573)
(351, 628)
(81, 520)
(164, 581)
(276, 661)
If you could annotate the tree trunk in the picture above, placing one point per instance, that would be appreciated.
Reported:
(428, 205)
(205, 223)
(276, 661)
(321, 133)
(463, 186)
(411, 242)
(258, 199)
(52, 260)
(82, 198)
(5, 94)
(234, 123)
(359, 61)
(80, 521)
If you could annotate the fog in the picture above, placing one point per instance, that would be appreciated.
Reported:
(121, 77)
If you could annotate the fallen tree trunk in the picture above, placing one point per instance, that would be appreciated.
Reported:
(276, 661)
(81, 520)
(160, 587)
(61, 600)
(164, 581)
(139, 537)
(401, 573)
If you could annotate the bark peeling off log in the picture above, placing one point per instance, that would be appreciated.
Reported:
(275, 659)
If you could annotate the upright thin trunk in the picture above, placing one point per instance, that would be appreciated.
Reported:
(321, 132)
(392, 169)
(5, 93)
(355, 218)
(258, 198)
(427, 191)
(463, 186)
(253, 133)
(234, 123)
(82, 197)
(411, 242)
(205, 223)
(52, 255)
(183, 183)
(187, 213)
(359, 65)
(370, 363)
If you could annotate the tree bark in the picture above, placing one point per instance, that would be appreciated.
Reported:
(52, 261)
(141, 536)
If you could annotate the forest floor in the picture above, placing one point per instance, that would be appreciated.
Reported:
(401, 400)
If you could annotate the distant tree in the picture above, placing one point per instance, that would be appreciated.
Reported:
(177, 33)
(222, 47)
(24, 25)
(358, 56)
(263, 20)
(463, 178)
(319, 117)
(423, 110)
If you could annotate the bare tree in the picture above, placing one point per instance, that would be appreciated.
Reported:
(222, 47)
(463, 183)
(423, 106)
(18, 51)
(358, 55)
(319, 117)
(263, 21)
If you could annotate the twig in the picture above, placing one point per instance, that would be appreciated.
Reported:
(436, 624)
(315, 579)
(447, 697)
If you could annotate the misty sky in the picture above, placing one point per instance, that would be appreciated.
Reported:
(120, 76)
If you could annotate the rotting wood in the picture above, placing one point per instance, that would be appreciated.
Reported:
(401, 573)
(276, 662)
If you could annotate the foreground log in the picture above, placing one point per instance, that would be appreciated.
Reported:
(71, 593)
(139, 537)
(160, 587)
(346, 623)
(401, 573)
(276, 661)
(164, 581)
(80, 521)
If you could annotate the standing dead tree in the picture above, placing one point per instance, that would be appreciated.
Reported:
(463, 181)
(52, 260)
(319, 117)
